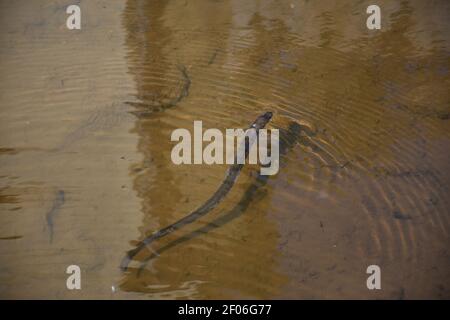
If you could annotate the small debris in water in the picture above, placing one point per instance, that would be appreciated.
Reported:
(11, 238)
(401, 216)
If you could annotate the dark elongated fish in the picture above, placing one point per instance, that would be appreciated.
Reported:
(212, 202)
(57, 203)
(288, 140)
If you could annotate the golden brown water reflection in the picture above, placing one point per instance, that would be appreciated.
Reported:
(364, 171)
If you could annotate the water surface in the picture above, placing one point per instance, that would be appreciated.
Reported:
(364, 173)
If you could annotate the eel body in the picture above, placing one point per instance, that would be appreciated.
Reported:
(211, 203)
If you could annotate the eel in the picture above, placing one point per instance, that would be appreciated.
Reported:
(288, 140)
(212, 202)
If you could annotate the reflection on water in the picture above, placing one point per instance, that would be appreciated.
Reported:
(364, 175)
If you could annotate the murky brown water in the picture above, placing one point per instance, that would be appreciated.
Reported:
(84, 145)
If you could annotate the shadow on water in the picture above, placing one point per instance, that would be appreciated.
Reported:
(164, 81)
(145, 45)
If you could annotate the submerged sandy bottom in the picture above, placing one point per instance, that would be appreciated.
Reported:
(85, 167)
